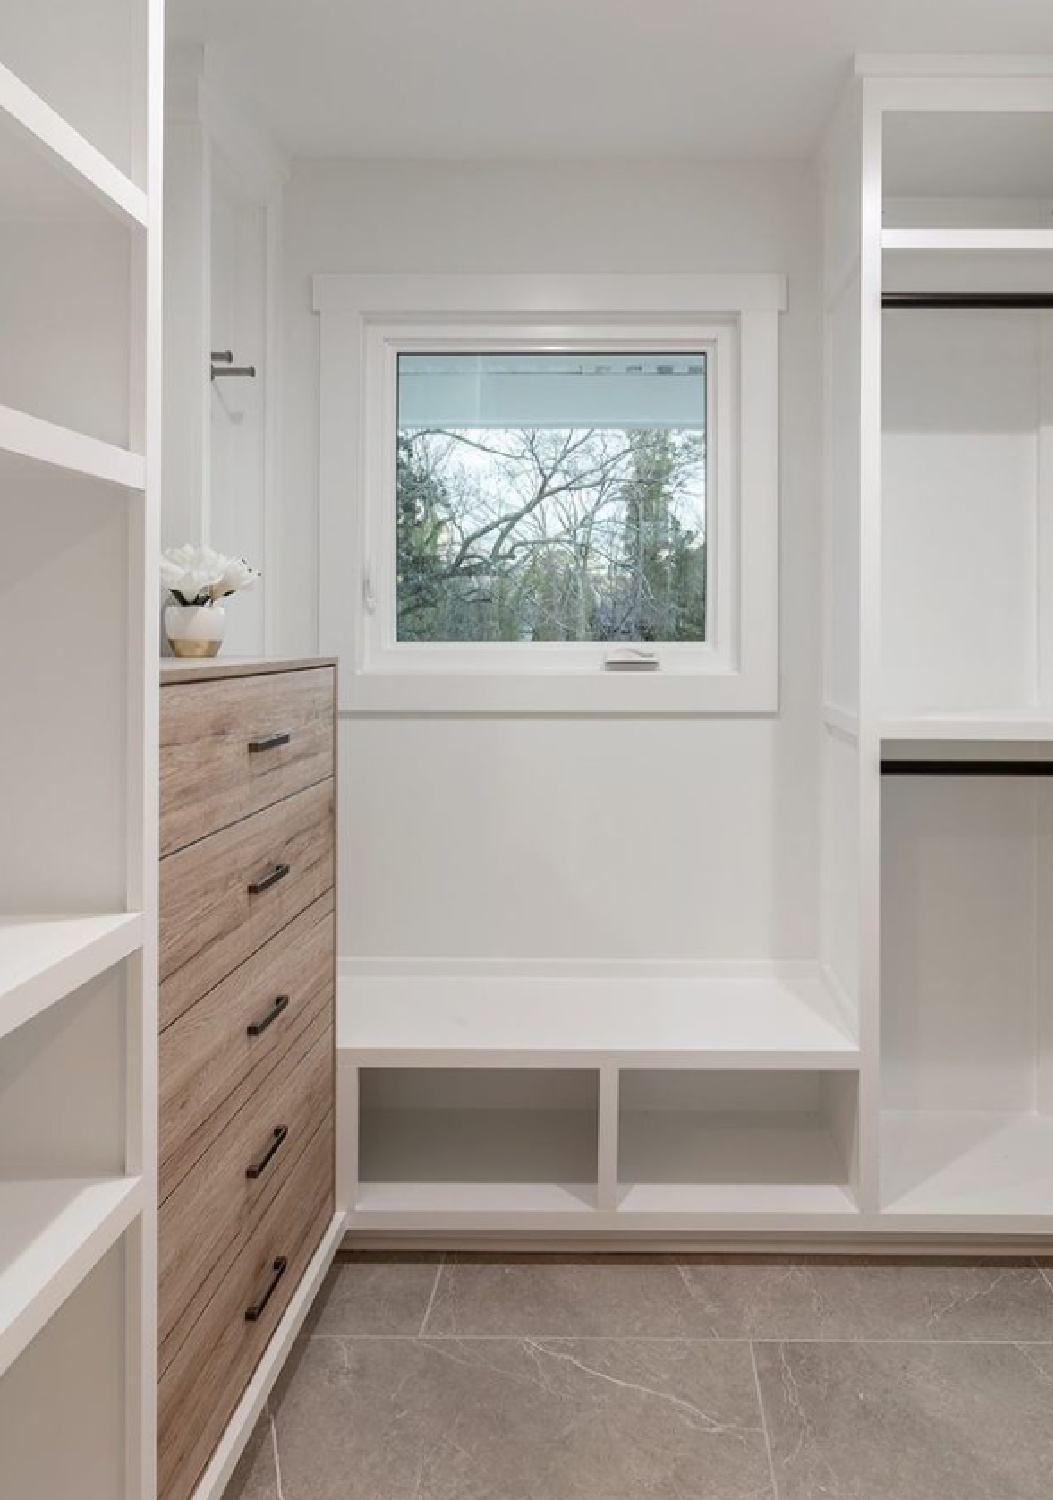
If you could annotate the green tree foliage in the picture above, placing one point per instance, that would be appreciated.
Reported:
(551, 535)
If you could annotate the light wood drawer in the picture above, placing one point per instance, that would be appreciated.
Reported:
(224, 751)
(215, 1055)
(204, 1381)
(224, 897)
(218, 1202)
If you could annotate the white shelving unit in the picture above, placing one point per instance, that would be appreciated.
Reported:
(598, 1103)
(903, 1082)
(80, 385)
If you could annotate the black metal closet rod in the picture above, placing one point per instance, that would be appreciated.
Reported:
(1021, 300)
(967, 767)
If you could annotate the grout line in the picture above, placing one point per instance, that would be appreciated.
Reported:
(677, 1338)
(431, 1299)
(1044, 1274)
(764, 1424)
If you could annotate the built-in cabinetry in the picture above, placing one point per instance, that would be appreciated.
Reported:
(246, 1081)
(80, 300)
(903, 1080)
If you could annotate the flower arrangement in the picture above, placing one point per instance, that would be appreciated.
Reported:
(197, 577)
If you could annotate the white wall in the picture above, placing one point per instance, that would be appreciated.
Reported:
(576, 838)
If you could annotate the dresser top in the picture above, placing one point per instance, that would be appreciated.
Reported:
(204, 669)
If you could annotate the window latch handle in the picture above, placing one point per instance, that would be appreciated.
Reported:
(369, 593)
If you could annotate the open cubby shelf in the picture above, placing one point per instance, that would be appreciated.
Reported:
(489, 1146)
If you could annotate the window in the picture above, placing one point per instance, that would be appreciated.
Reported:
(551, 497)
(513, 499)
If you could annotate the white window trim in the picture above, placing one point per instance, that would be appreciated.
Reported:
(365, 320)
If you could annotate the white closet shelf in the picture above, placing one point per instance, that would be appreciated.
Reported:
(49, 170)
(43, 959)
(999, 726)
(742, 1019)
(52, 1233)
(968, 1165)
(978, 238)
(23, 436)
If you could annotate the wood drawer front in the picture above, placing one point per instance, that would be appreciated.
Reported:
(211, 922)
(210, 1061)
(205, 1380)
(217, 1203)
(210, 774)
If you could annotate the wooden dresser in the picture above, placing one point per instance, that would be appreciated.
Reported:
(247, 968)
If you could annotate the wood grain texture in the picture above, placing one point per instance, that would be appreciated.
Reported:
(216, 1205)
(203, 1383)
(208, 669)
(209, 1064)
(210, 923)
(210, 777)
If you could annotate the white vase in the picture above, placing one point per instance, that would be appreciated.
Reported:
(195, 629)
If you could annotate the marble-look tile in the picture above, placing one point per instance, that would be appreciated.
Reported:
(522, 1419)
(256, 1476)
(877, 1299)
(909, 1421)
(612, 1297)
(369, 1294)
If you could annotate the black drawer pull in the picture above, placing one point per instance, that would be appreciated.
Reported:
(266, 881)
(259, 1027)
(254, 1313)
(259, 1167)
(269, 741)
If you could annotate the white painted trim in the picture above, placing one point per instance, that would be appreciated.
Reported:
(538, 296)
(364, 318)
(246, 1414)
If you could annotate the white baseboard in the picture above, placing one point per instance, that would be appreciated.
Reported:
(715, 1242)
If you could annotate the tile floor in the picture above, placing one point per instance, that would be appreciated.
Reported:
(466, 1378)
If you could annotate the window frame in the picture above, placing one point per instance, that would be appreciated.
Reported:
(367, 321)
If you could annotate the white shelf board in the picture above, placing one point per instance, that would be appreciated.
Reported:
(52, 1233)
(683, 1163)
(968, 1165)
(974, 239)
(28, 437)
(49, 171)
(405, 1203)
(43, 959)
(731, 1020)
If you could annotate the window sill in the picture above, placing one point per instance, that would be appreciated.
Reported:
(563, 693)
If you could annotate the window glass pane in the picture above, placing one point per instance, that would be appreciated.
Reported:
(551, 497)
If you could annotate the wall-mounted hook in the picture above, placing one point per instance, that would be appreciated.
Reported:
(222, 363)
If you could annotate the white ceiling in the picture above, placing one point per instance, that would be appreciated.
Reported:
(571, 78)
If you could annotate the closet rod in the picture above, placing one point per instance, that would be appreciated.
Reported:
(967, 299)
(967, 767)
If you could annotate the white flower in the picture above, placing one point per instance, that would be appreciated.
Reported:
(199, 575)
(236, 575)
